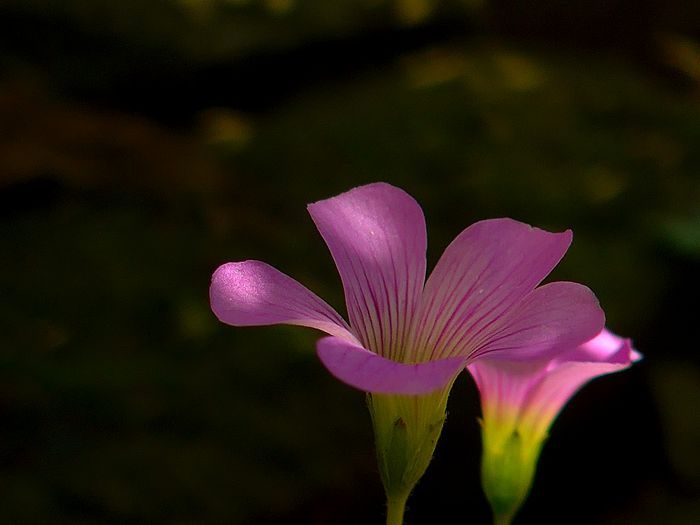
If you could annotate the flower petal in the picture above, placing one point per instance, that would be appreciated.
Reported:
(483, 273)
(604, 347)
(253, 293)
(552, 318)
(370, 372)
(564, 379)
(530, 394)
(504, 386)
(376, 234)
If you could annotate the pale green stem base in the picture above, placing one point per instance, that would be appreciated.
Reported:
(507, 469)
(406, 430)
(395, 508)
(503, 520)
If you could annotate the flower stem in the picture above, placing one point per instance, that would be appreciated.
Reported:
(502, 519)
(395, 507)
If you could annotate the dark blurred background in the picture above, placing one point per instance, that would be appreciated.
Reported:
(143, 143)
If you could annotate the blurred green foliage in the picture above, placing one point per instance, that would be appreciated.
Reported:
(122, 400)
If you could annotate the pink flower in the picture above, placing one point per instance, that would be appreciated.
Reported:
(520, 401)
(407, 335)
(407, 338)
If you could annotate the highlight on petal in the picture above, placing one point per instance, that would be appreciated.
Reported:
(253, 293)
(604, 347)
(376, 234)
(365, 370)
(551, 318)
(489, 268)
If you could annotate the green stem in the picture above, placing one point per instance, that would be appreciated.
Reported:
(503, 519)
(395, 508)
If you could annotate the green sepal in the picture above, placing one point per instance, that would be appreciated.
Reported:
(507, 471)
(406, 429)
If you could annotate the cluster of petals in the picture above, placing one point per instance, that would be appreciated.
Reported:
(526, 397)
(406, 334)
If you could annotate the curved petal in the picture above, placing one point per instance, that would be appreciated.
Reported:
(563, 380)
(253, 293)
(604, 347)
(527, 396)
(370, 372)
(504, 386)
(483, 273)
(376, 234)
(551, 319)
